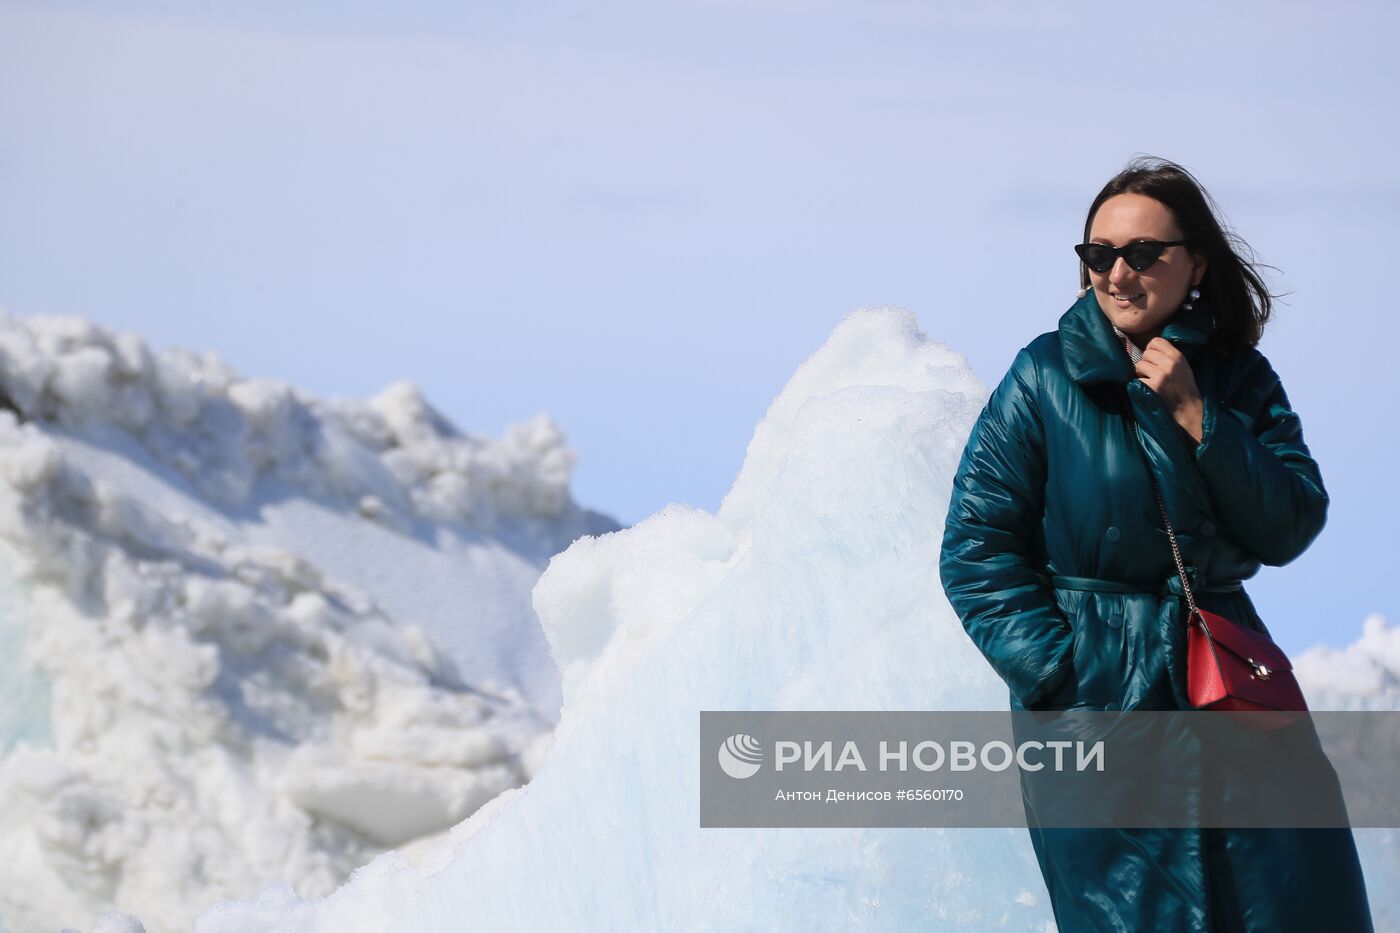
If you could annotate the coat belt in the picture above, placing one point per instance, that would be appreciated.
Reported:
(1172, 587)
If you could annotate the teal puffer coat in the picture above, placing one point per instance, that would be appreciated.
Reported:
(1056, 561)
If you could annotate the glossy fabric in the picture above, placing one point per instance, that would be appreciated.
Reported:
(1055, 559)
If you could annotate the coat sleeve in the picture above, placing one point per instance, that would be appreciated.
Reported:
(1262, 479)
(987, 565)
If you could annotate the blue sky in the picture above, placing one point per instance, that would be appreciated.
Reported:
(641, 218)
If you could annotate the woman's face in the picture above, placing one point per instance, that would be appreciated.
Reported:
(1141, 303)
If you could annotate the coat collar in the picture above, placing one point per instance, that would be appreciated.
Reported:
(1092, 352)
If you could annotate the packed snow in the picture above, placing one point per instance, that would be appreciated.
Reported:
(251, 636)
(815, 586)
(1364, 675)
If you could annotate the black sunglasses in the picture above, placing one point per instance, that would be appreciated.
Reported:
(1139, 256)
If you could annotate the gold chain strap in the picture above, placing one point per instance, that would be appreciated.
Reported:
(1166, 520)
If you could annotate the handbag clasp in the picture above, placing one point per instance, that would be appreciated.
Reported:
(1260, 671)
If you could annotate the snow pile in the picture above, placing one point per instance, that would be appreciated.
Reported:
(1363, 676)
(220, 687)
(391, 458)
(814, 587)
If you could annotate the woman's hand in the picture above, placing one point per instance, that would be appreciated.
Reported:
(1166, 372)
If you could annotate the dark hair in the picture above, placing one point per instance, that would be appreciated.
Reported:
(1231, 288)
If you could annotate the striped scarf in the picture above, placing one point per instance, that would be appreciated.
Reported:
(1128, 344)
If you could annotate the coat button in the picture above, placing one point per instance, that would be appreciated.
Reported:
(1115, 621)
(1113, 534)
(1207, 529)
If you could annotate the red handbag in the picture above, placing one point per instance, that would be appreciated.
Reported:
(1229, 666)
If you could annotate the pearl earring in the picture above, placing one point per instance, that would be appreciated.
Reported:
(1195, 293)
(1083, 290)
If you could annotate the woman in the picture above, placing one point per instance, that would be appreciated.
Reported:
(1055, 557)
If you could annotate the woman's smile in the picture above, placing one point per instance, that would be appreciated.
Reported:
(1140, 302)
